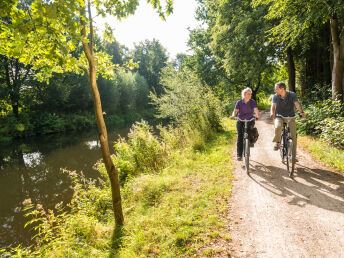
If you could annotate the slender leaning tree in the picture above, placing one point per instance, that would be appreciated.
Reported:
(46, 34)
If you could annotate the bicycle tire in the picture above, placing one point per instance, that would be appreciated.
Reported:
(291, 157)
(286, 156)
(281, 148)
(247, 156)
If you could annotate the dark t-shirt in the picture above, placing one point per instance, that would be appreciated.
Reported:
(285, 106)
(246, 110)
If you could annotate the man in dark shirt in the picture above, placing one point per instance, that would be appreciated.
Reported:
(283, 103)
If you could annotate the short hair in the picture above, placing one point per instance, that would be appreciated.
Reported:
(281, 85)
(244, 91)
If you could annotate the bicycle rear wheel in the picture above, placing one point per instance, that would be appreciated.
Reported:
(247, 156)
(291, 158)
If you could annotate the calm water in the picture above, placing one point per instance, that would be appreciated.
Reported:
(31, 169)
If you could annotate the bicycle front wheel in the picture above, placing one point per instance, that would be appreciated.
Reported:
(281, 149)
(247, 156)
(290, 158)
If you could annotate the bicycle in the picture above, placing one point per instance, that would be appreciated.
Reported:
(287, 150)
(246, 143)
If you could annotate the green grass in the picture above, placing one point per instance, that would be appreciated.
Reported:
(322, 151)
(181, 210)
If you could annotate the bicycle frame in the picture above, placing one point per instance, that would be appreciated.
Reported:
(287, 145)
(246, 145)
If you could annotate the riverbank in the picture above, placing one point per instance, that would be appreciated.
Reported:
(181, 210)
(35, 124)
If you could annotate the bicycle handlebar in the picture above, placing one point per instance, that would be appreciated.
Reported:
(287, 117)
(252, 119)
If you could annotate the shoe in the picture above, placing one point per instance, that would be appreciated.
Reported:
(296, 160)
(276, 146)
(239, 158)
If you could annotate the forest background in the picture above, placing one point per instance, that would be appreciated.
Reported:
(239, 45)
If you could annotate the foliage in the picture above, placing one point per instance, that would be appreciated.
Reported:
(186, 102)
(204, 63)
(263, 101)
(38, 123)
(152, 58)
(45, 34)
(298, 18)
(142, 152)
(325, 118)
(301, 24)
(239, 41)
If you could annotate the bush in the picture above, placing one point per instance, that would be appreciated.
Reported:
(332, 130)
(188, 104)
(325, 119)
(142, 152)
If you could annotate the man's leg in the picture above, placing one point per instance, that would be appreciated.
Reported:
(278, 122)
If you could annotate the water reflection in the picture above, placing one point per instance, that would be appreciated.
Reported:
(31, 169)
(32, 159)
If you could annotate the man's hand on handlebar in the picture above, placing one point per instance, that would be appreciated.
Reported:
(272, 115)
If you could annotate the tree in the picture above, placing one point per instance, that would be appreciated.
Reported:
(14, 77)
(203, 61)
(152, 58)
(240, 42)
(46, 33)
(298, 17)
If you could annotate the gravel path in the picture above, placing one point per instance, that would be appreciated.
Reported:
(273, 215)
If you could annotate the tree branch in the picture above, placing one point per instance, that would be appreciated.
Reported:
(85, 70)
(91, 26)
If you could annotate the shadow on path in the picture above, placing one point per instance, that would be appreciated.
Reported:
(318, 187)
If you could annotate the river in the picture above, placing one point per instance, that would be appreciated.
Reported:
(31, 168)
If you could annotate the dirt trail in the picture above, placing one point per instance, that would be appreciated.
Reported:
(273, 215)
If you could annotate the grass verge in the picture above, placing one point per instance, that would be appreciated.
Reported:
(182, 210)
(322, 151)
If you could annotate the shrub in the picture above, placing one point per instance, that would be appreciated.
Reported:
(325, 119)
(142, 152)
(332, 130)
(188, 104)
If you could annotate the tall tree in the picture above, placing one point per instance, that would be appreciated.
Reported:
(14, 76)
(239, 40)
(298, 17)
(44, 34)
(152, 58)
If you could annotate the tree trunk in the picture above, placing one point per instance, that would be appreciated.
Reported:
(337, 69)
(111, 170)
(291, 70)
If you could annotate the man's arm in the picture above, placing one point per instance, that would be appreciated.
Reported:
(272, 110)
(298, 106)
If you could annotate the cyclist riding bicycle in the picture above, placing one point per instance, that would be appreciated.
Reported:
(245, 108)
(284, 103)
